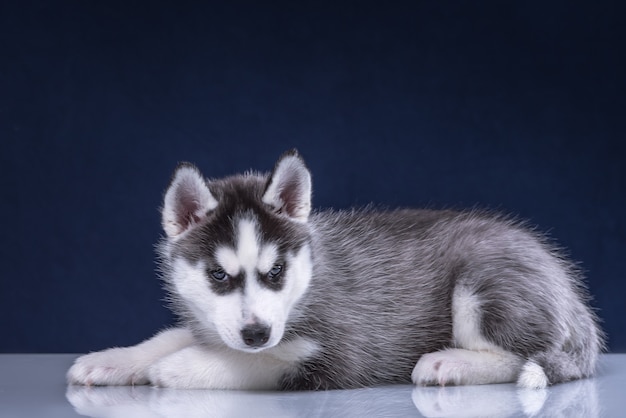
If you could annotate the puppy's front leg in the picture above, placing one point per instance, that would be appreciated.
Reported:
(127, 365)
(198, 367)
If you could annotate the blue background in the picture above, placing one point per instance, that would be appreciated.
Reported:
(513, 106)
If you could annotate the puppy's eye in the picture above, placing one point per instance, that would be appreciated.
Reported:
(219, 275)
(275, 272)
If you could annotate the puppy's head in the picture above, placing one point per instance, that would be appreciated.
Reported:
(236, 256)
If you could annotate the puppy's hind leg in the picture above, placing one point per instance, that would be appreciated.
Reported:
(476, 361)
(127, 365)
(466, 367)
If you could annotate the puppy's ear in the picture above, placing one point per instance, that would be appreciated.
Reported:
(187, 200)
(288, 189)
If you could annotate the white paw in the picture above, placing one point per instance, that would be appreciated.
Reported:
(532, 376)
(116, 366)
(441, 368)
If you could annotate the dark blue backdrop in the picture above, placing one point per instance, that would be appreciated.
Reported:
(516, 106)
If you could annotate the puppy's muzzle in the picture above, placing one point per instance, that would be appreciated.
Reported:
(256, 335)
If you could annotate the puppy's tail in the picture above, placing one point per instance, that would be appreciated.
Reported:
(575, 359)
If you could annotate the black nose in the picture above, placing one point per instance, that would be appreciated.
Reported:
(256, 335)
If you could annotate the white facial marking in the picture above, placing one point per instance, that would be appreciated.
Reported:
(227, 258)
(190, 283)
(247, 246)
(248, 255)
(274, 307)
(267, 258)
(188, 280)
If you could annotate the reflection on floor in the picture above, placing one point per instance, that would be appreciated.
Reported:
(575, 399)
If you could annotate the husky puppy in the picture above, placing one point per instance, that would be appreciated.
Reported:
(272, 296)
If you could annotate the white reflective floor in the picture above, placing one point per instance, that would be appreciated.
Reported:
(33, 385)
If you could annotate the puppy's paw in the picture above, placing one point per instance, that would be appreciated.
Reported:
(457, 366)
(440, 368)
(116, 366)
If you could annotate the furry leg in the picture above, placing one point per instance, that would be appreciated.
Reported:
(476, 361)
(198, 367)
(127, 365)
(466, 367)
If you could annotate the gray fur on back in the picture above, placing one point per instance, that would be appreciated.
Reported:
(382, 291)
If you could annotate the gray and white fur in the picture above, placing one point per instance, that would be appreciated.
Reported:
(272, 296)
